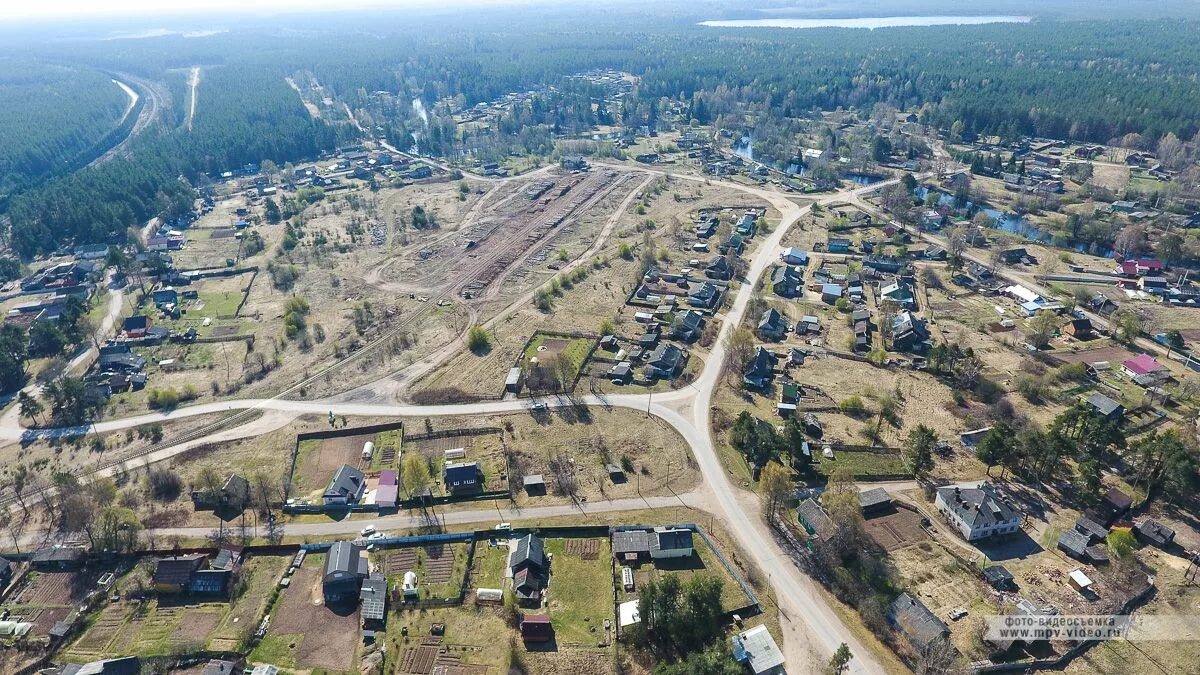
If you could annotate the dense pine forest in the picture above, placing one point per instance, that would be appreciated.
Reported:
(1083, 80)
(50, 118)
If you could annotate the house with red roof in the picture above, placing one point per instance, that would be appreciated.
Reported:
(1142, 364)
(1139, 267)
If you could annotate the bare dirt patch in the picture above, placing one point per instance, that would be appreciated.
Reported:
(196, 627)
(896, 529)
(1113, 355)
(329, 638)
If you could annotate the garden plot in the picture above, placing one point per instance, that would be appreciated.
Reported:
(896, 529)
(552, 363)
(207, 247)
(101, 632)
(439, 567)
(944, 585)
(319, 458)
(579, 596)
(307, 634)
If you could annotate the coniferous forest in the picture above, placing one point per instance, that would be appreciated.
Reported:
(1074, 79)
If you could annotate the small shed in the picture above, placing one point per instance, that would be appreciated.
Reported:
(874, 501)
(1074, 543)
(536, 628)
(535, 484)
(999, 578)
(1079, 581)
(512, 383)
(615, 473)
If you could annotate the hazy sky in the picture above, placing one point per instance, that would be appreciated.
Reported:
(69, 9)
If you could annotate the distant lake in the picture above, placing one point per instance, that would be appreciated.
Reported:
(870, 23)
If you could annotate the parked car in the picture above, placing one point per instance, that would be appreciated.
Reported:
(367, 531)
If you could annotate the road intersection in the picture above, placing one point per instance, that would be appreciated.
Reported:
(812, 629)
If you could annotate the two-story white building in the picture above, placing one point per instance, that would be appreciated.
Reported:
(978, 513)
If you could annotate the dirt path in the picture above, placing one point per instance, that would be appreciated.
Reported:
(152, 107)
(193, 84)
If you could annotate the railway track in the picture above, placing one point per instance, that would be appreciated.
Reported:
(485, 264)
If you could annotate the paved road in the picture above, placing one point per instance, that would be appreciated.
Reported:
(812, 630)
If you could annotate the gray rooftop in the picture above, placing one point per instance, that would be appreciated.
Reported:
(979, 507)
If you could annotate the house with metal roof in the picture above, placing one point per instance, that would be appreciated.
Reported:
(794, 256)
(757, 650)
(388, 490)
(462, 477)
(530, 568)
(345, 568)
(1106, 407)
(1153, 532)
(977, 513)
(657, 544)
(346, 487)
(372, 599)
(916, 622)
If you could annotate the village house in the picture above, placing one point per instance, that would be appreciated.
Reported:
(1106, 407)
(760, 370)
(786, 281)
(462, 478)
(1080, 329)
(1141, 365)
(529, 568)
(661, 543)
(794, 256)
(687, 326)
(346, 566)
(664, 362)
(772, 326)
(757, 650)
(919, 626)
(346, 487)
(838, 245)
(977, 513)
(1155, 533)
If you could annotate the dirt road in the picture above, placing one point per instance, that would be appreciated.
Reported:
(812, 629)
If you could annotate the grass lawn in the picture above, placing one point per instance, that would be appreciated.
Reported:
(575, 352)
(219, 303)
(277, 650)
(487, 569)
(865, 464)
(580, 594)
